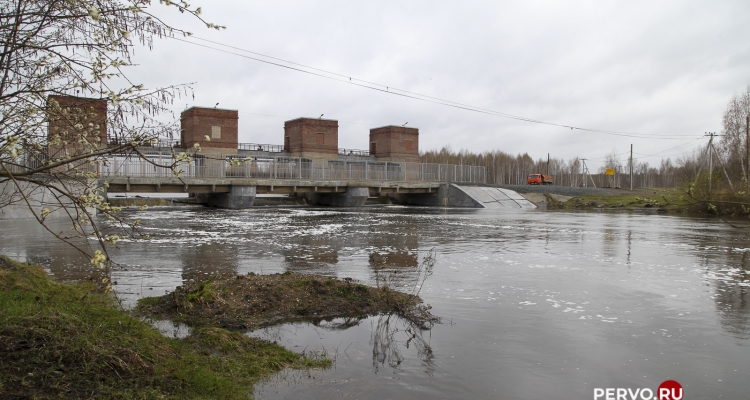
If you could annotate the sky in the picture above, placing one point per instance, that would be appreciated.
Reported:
(660, 74)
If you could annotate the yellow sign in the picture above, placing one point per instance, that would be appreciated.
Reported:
(610, 171)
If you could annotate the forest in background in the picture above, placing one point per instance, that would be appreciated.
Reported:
(508, 169)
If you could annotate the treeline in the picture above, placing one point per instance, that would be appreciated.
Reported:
(508, 169)
(729, 161)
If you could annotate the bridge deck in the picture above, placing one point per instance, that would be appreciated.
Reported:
(118, 184)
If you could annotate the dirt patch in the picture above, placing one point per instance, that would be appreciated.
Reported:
(536, 198)
(549, 199)
(252, 301)
(559, 197)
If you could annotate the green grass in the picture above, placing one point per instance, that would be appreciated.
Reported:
(671, 200)
(71, 341)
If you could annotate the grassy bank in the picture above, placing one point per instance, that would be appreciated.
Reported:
(671, 200)
(70, 341)
(252, 301)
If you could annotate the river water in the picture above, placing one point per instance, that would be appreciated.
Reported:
(534, 304)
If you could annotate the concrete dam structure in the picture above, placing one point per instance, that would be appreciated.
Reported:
(452, 195)
(492, 197)
(210, 165)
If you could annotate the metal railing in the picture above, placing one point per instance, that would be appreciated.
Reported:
(353, 152)
(159, 143)
(167, 143)
(232, 166)
(271, 148)
(158, 163)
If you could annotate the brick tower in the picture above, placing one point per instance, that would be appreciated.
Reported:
(218, 124)
(75, 119)
(312, 138)
(395, 143)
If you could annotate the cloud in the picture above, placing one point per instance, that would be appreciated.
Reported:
(665, 68)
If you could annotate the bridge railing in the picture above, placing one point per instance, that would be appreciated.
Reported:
(271, 148)
(354, 152)
(233, 166)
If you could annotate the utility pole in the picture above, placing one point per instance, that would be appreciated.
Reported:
(747, 148)
(547, 163)
(583, 172)
(586, 172)
(617, 176)
(710, 159)
(631, 167)
(709, 149)
(710, 165)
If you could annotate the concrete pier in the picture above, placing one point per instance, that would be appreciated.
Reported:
(238, 198)
(353, 197)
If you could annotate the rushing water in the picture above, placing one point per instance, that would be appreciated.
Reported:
(534, 304)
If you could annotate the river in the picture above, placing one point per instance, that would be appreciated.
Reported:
(534, 304)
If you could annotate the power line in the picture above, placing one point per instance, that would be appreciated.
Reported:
(404, 93)
(287, 117)
(605, 157)
(671, 148)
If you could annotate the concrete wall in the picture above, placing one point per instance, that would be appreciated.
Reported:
(451, 195)
(238, 198)
(312, 138)
(448, 195)
(395, 143)
(493, 197)
(218, 124)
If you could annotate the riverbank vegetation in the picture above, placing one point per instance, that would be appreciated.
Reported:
(657, 200)
(694, 200)
(72, 341)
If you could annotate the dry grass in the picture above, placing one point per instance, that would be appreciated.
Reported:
(253, 301)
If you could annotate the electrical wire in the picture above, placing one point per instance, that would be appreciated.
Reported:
(403, 93)
(659, 153)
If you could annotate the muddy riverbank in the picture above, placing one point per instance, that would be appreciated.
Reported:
(252, 301)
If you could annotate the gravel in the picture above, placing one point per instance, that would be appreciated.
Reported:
(561, 190)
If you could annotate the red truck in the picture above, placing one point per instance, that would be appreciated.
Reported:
(539, 179)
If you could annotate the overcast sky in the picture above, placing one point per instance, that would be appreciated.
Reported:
(655, 69)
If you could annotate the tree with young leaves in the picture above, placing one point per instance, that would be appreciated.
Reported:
(59, 59)
(734, 135)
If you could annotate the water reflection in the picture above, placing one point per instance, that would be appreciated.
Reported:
(393, 343)
(65, 262)
(731, 291)
(312, 254)
(391, 335)
(204, 260)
